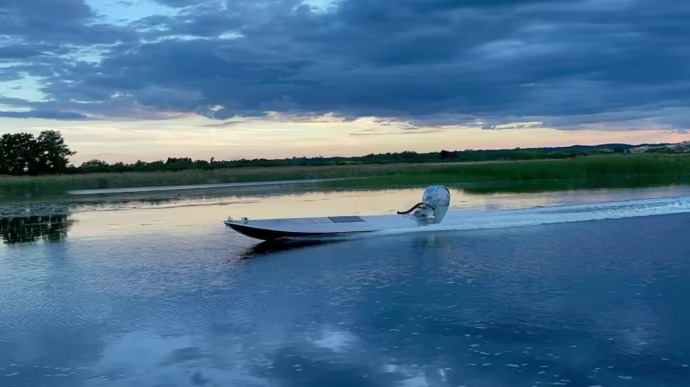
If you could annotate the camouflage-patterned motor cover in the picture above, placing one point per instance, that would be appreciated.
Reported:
(437, 197)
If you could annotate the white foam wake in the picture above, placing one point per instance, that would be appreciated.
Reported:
(458, 219)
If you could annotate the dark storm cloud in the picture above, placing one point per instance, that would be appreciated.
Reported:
(19, 52)
(543, 60)
(64, 21)
(55, 115)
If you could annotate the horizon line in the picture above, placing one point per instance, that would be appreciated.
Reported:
(404, 151)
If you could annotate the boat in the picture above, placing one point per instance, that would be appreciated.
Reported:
(431, 210)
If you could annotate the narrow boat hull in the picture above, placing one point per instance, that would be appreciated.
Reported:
(429, 211)
(268, 234)
(270, 229)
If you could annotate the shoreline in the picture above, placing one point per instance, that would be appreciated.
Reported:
(586, 171)
(36, 212)
(158, 196)
(188, 187)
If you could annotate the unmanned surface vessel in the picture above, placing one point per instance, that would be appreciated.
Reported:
(431, 210)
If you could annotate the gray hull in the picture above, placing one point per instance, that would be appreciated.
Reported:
(270, 229)
(430, 211)
(267, 234)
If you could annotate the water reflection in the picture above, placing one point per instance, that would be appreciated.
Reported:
(28, 229)
(582, 304)
(266, 248)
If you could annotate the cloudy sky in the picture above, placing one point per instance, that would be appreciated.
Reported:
(129, 79)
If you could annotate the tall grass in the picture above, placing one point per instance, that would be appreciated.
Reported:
(59, 184)
(668, 168)
(589, 171)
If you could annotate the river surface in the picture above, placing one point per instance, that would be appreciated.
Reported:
(581, 288)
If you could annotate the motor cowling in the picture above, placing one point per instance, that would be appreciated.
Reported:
(433, 207)
(437, 199)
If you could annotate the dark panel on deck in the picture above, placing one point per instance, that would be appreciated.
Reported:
(345, 219)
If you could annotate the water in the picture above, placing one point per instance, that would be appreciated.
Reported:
(573, 289)
(186, 187)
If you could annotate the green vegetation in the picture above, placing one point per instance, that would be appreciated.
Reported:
(407, 157)
(591, 171)
(40, 167)
(23, 154)
(58, 184)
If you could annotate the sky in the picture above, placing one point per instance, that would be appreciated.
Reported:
(146, 79)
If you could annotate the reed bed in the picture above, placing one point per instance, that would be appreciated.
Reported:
(591, 172)
(590, 169)
(59, 184)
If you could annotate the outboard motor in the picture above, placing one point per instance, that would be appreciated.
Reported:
(434, 204)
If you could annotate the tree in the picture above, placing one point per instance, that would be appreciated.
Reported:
(23, 154)
(54, 152)
(94, 165)
(18, 154)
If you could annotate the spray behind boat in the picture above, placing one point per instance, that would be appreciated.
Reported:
(434, 204)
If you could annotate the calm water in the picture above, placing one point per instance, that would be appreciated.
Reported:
(583, 288)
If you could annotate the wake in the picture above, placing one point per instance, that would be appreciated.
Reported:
(458, 219)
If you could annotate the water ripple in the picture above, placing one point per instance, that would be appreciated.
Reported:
(574, 304)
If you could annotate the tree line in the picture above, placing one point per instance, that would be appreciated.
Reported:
(25, 154)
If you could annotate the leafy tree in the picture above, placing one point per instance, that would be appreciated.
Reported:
(23, 154)
(94, 165)
(53, 152)
(18, 153)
